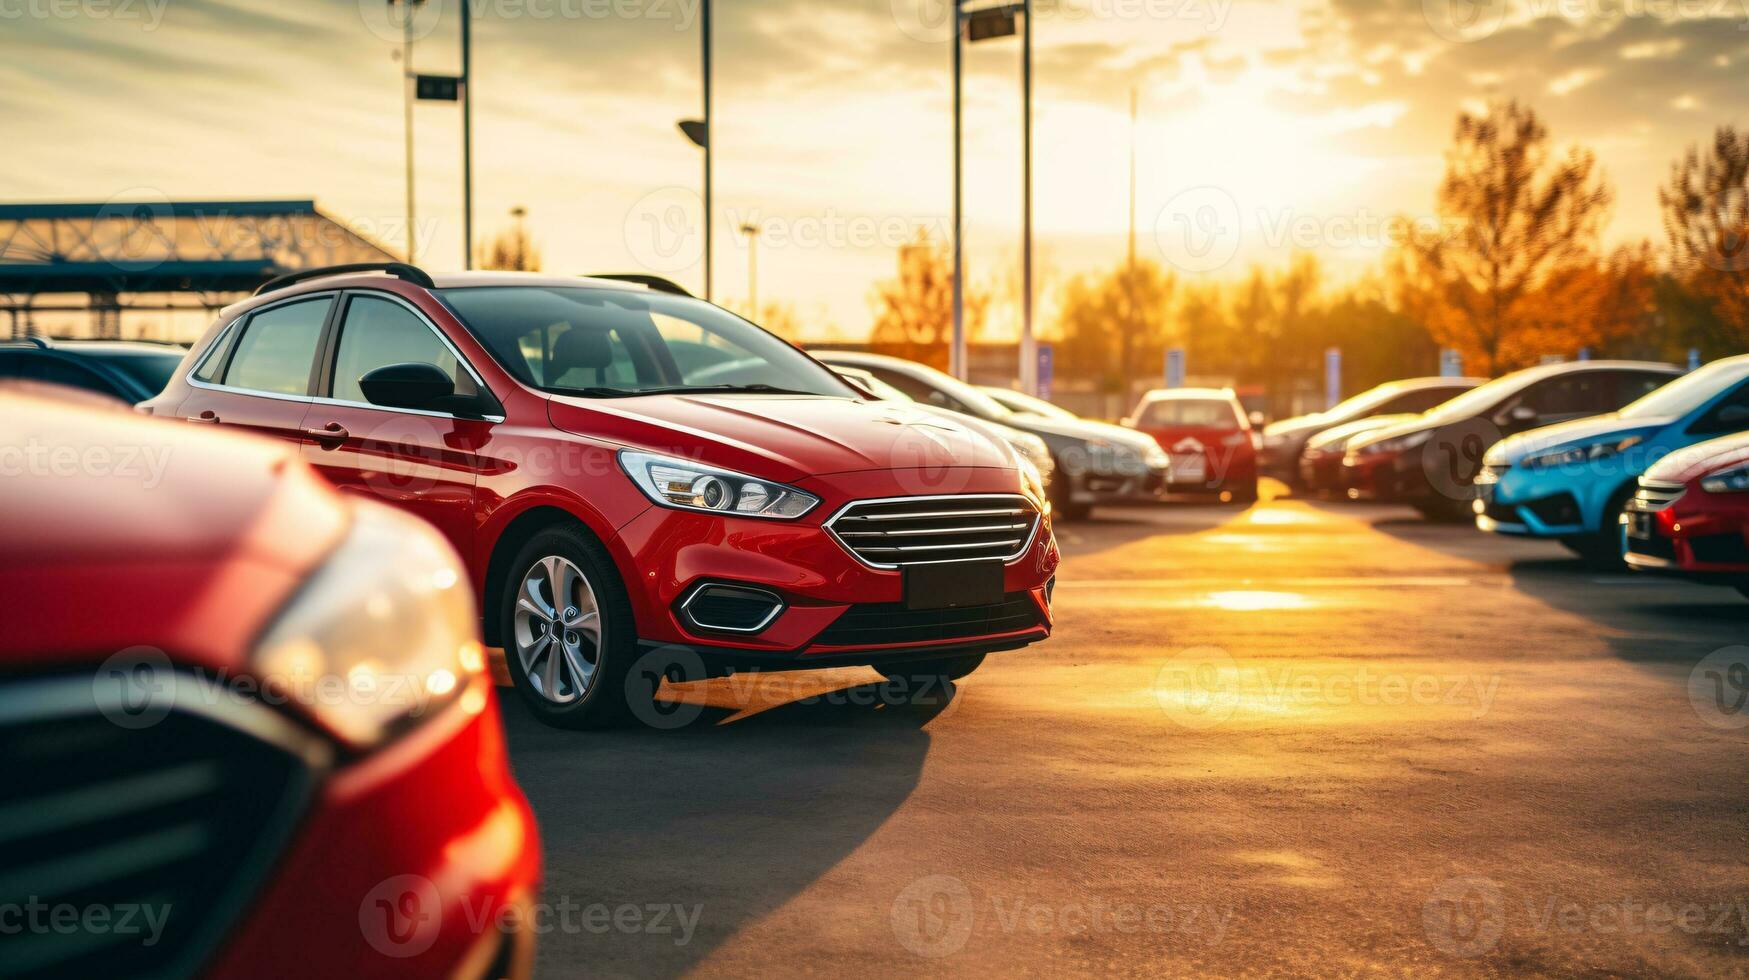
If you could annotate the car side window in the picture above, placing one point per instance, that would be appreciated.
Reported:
(1631, 386)
(1729, 414)
(1566, 396)
(278, 348)
(379, 332)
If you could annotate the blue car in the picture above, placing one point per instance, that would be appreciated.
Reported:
(1571, 482)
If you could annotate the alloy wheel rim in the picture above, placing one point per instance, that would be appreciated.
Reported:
(558, 630)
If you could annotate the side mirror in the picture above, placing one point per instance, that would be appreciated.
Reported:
(860, 386)
(406, 385)
(938, 399)
(1128, 423)
(1257, 420)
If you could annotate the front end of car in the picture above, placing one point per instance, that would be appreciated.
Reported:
(1692, 519)
(1388, 465)
(1118, 467)
(866, 566)
(1559, 483)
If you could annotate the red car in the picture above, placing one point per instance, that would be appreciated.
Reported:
(1209, 437)
(641, 484)
(246, 724)
(1691, 515)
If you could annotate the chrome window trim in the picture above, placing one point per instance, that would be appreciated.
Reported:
(1038, 521)
(776, 610)
(339, 296)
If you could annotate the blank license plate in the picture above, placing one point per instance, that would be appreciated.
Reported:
(953, 585)
(1189, 469)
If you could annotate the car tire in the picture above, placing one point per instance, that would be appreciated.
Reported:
(1577, 545)
(1242, 494)
(555, 693)
(938, 669)
(1602, 549)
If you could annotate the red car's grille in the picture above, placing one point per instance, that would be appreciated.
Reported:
(1655, 496)
(162, 822)
(913, 530)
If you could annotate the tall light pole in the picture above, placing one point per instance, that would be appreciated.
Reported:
(752, 233)
(1028, 345)
(467, 138)
(699, 132)
(984, 24)
(957, 352)
(408, 15)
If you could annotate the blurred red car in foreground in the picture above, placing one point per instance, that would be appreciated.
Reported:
(1691, 515)
(246, 727)
(1208, 436)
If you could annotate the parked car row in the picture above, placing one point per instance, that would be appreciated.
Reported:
(1623, 462)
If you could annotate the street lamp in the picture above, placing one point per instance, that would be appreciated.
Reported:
(407, 97)
(699, 132)
(972, 26)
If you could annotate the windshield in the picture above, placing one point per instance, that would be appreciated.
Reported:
(1688, 393)
(1025, 403)
(1476, 400)
(616, 343)
(1362, 403)
(1206, 412)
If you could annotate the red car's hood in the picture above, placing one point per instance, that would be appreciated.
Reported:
(126, 531)
(781, 437)
(1701, 459)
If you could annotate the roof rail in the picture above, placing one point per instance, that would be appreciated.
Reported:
(400, 270)
(657, 283)
(31, 339)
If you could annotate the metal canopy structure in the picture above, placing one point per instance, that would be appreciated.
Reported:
(203, 254)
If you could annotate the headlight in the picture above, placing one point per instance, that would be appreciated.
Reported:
(1577, 455)
(1727, 481)
(684, 485)
(383, 633)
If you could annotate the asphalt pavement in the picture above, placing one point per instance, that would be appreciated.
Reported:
(1299, 738)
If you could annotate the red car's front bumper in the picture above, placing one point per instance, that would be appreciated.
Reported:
(819, 581)
(1700, 534)
(419, 860)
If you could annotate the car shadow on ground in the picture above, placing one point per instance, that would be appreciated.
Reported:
(753, 790)
(1664, 624)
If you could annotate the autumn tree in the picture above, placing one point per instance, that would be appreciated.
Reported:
(1706, 216)
(914, 312)
(1113, 327)
(1519, 227)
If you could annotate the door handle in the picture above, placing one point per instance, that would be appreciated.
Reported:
(209, 416)
(330, 435)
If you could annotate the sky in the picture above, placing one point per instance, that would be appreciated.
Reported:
(1262, 128)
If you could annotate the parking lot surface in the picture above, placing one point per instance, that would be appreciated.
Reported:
(1298, 738)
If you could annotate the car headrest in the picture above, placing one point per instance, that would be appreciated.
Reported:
(582, 347)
